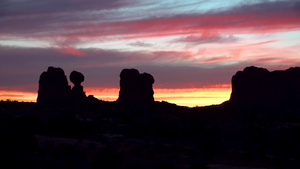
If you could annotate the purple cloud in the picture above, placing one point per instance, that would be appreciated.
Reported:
(196, 40)
(33, 7)
(140, 44)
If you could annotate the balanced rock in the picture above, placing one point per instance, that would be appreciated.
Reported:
(76, 77)
(53, 87)
(259, 87)
(146, 90)
(77, 91)
(135, 88)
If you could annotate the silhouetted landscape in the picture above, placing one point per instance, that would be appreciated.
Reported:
(257, 127)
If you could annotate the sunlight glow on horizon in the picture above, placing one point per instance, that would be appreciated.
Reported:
(194, 96)
(20, 96)
(190, 97)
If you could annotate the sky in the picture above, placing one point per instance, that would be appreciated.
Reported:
(192, 48)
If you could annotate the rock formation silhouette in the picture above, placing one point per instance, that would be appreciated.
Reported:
(135, 88)
(53, 87)
(258, 86)
(77, 92)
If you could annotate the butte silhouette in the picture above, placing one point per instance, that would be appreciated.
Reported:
(135, 88)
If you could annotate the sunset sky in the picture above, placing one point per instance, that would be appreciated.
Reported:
(191, 47)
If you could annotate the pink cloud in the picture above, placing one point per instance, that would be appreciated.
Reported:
(187, 25)
(70, 50)
(216, 59)
(259, 43)
(277, 60)
(257, 18)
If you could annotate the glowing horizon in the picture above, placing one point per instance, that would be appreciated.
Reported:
(189, 97)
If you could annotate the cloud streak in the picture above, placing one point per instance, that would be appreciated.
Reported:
(31, 7)
(252, 18)
(202, 39)
(141, 44)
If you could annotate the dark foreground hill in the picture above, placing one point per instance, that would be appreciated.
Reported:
(257, 127)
